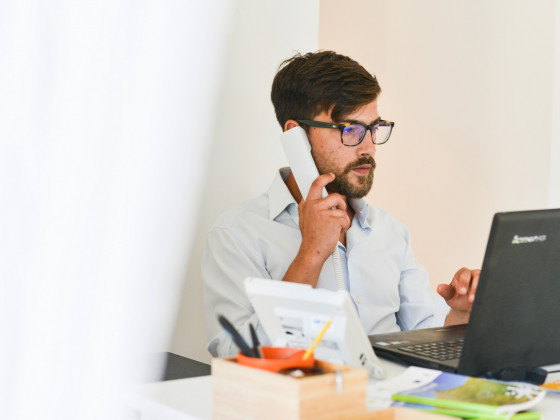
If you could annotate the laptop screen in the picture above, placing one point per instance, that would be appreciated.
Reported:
(514, 321)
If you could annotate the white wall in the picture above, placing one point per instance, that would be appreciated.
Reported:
(245, 151)
(104, 115)
(473, 89)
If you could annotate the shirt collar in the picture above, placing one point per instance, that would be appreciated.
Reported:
(279, 194)
(361, 208)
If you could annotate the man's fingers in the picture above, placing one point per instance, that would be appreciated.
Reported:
(327, 212)
(460, 293)
(334, 201)
(339, 217)
(445, 291)
(466, 282)
(474, 285)
(336, 213)
(316, 189)
(462, 281)
(330, 202)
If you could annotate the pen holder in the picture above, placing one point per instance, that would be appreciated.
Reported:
(277, 358)
(242, 392)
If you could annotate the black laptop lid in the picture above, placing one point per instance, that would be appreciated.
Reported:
(521, 277)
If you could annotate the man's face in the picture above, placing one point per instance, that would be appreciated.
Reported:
(353, 166)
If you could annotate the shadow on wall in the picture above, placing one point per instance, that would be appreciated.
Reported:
(245, 151)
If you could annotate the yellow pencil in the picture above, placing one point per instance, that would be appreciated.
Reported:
(317, 340)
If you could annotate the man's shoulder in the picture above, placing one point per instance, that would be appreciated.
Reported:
(259, 211)
(382, 217)
(246, 212)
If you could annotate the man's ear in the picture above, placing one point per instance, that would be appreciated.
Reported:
(290, 124)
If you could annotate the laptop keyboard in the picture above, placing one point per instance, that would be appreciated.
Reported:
(443, 350)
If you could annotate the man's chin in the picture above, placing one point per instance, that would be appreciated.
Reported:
(361, 187)
(360, 193)
(350, 190)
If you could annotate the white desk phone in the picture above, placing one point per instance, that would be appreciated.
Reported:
(293, 314)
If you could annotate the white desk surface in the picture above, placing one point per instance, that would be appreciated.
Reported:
(191, 399)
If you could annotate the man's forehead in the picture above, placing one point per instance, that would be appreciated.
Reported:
(365, 114)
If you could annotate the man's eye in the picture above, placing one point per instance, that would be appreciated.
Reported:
(351, 129)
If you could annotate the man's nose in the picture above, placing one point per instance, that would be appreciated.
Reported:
(367, 147)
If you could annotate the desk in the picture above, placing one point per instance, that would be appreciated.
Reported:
(191, 399)
(179, 367)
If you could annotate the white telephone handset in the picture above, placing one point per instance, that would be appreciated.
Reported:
(298, 151)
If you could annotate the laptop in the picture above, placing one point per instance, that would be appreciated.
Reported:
(515, 319)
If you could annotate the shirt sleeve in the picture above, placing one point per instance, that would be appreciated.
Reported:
(420, 307)
(227, 261)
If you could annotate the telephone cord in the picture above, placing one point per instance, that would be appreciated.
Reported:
(338, 270)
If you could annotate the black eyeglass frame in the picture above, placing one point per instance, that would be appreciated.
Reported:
(341, 127)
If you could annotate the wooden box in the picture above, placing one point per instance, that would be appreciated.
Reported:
(241, 392)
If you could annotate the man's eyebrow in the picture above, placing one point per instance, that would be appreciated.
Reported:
(359, 122)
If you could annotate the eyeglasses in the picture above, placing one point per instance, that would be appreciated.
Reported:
(352, 134)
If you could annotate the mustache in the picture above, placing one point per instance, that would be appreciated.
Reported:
(366, 160)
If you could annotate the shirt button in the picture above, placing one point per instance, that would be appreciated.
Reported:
(358, 300)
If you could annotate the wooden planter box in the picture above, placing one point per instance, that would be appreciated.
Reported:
(241, 392)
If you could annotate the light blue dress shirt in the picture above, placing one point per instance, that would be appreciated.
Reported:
(260, 238)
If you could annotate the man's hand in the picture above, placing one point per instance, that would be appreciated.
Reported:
(321, 221)
(459, 295)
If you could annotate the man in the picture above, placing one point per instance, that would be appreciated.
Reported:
(284, 236)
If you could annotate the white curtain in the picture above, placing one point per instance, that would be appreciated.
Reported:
(106, 112)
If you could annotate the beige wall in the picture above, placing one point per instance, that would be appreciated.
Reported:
(469, 85)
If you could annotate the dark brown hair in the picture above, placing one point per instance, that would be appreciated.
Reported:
(309, 84)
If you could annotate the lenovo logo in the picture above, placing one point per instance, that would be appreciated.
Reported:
(528, 239)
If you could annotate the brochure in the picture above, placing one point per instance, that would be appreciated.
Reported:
(459, 395)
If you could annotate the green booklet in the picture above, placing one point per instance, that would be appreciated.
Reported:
(464, 396)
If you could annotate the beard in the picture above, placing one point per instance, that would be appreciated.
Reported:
(343, 186)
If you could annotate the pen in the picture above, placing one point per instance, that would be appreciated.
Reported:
(255, 340)
(236, 337)
(317, 340)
